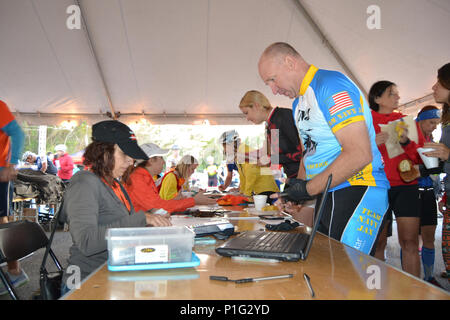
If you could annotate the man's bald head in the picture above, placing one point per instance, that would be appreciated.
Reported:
(279, 50)
(282, 68)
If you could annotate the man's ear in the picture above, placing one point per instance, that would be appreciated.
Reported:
(290, 62)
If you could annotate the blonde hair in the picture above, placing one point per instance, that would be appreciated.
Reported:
(184, 164)
(251, 97)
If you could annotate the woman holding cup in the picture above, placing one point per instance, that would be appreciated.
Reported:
(441, 93)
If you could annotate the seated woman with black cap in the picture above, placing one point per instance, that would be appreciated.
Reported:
(95, 200)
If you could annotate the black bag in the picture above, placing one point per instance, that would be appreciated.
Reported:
(51, 283)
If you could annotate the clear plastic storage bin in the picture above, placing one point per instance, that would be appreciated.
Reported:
(137, 246)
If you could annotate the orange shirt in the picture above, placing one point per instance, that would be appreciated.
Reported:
(118, 191)
(145, 195)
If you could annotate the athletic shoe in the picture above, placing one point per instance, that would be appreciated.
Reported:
(17, 281)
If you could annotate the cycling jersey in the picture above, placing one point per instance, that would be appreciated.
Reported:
(329, 101)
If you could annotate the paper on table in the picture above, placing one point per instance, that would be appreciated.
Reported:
(393, 147)
(182, 221)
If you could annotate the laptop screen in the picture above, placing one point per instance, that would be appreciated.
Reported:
(318, 215)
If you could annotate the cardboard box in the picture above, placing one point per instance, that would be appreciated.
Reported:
(29, 214)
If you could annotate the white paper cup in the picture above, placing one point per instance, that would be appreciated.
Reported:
(429, 162)
(260, 201)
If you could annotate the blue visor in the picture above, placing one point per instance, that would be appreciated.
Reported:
(429, 114)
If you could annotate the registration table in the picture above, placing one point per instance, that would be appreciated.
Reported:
(336, 271)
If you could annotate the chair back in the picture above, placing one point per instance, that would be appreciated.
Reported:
(19, 239)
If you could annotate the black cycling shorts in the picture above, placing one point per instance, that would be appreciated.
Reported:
(428, 207)
(404, 201)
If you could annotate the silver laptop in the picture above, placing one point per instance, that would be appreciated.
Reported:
(275, 245)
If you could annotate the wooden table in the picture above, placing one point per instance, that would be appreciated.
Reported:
(336, 271)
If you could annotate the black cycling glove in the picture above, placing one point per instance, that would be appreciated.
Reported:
(296, 191)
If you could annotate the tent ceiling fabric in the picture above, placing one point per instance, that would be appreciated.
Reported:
(174, 61)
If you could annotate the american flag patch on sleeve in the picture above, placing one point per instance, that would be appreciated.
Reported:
(341, 101)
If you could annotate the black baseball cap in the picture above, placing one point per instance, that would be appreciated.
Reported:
(116, 132)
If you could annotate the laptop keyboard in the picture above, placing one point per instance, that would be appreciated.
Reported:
(274, 241)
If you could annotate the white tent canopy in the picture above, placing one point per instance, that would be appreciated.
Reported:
(181, 61)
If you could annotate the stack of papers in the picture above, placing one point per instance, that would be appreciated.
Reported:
(393, 146)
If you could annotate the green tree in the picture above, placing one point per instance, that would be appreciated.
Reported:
(75, 139)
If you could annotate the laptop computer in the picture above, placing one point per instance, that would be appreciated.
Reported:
(275, 245)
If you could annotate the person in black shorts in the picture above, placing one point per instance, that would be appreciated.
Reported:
(336, 133)
(428, 118)
(403, 194)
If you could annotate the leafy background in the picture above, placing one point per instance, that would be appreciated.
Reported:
(201, 141)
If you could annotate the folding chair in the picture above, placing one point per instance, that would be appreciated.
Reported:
(19, 239)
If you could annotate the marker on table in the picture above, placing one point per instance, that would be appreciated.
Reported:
(244, 280)
(308, 283)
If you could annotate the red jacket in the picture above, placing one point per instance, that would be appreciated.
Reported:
(145, 195)
(66, 167)
(391, 165)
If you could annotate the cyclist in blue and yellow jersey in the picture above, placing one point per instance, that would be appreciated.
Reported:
(336, 130)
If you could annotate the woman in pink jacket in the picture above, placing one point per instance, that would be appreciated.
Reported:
(65, 163)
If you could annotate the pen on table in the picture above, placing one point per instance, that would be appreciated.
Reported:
(308, 283)
(220, 278)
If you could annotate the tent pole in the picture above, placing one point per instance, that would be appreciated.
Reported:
(114, 115)
(413, 106)
(329, 45)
